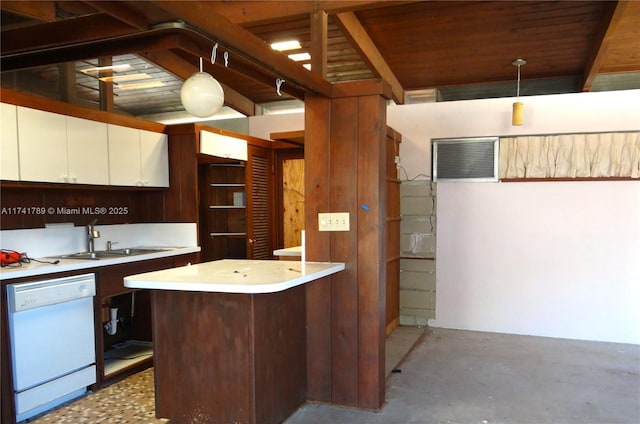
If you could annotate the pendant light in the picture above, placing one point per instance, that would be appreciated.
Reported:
(201, 94)
(518, 108)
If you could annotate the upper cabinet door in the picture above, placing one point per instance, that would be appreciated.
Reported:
(87, 151)
(124, 156)
(223, 146)
(9, 169)
(42, 145)
(154, 159)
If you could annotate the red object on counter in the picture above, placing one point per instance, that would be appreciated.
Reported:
(9, 257)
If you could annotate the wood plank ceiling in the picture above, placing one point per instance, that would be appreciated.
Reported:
(440, 49)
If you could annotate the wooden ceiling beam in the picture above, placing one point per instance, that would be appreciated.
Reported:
(122, 12)
(319, 39)
(235, 38)
(182, 69)
(600, 52)
(199, 46)
(262, 12)
(64, 32)
(358, 36)
(151, 40)
(41, 10)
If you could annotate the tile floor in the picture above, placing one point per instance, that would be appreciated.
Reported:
(127, 401)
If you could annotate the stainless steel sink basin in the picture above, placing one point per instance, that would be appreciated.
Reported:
(114, 253)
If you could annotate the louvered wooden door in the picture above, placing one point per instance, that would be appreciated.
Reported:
(259, 214)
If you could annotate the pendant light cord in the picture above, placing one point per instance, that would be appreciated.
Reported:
(518, 86)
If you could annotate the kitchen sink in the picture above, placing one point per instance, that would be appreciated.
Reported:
(114, 253)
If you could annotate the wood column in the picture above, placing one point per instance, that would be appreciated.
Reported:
(345, 171)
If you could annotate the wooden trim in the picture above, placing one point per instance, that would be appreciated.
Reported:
(362, 88)
(577, 179)
(69, 186)
(48, 105)
(295, 137)
(392, 326)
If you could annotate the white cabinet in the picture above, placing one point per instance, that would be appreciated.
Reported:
(42, 145)
(9, 169)
(87, 151)
(61, 149)
(50, 147)
(124, 155)
(154, 159)
(138, 157)
(223, 146)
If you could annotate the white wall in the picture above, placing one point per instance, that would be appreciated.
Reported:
(557, 259)
(262, 126)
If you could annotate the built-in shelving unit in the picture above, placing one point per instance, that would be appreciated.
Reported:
(224, 211)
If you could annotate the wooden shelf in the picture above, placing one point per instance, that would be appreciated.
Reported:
(126, 355)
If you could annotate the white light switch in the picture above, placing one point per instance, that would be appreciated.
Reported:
(334, 221)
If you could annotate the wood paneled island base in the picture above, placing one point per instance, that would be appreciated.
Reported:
(229, 358)
(230, 339)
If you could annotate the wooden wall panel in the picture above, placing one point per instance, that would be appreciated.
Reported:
(318, 293)
(343, 184)
(345, 171)
(227, 320)
(371, 250)
(182, 200)
(66, 203)
(280, 354)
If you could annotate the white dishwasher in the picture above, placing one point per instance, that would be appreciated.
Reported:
(51, 333)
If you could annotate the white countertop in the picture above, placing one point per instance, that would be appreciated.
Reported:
(289, 251)
(235, 276)
(36, 268)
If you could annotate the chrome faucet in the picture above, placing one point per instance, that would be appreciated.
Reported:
(92, 234)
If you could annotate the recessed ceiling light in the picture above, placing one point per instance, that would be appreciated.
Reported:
(123, 78)
(307, 65)
(114, 68)
(299, 57)
(286, 45)
(140, 85)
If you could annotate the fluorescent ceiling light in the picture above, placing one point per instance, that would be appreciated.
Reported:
(307, 65)
(286, 45)
(299, 57)
(114, 68)
(123, 78)
(139, 85)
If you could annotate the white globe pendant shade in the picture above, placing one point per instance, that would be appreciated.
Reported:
(202, 95)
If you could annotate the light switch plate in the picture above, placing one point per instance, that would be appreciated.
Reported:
(333, 221)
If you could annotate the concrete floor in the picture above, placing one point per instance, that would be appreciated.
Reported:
(455, 376)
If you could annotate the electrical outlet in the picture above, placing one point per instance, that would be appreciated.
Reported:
(334, 221)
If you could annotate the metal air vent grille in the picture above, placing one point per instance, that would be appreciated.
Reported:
(465, 159)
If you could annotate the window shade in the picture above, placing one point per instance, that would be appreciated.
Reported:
(571, 156)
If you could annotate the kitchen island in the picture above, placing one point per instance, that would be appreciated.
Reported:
(230, 339)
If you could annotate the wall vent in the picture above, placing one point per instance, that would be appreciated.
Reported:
(465, 159)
